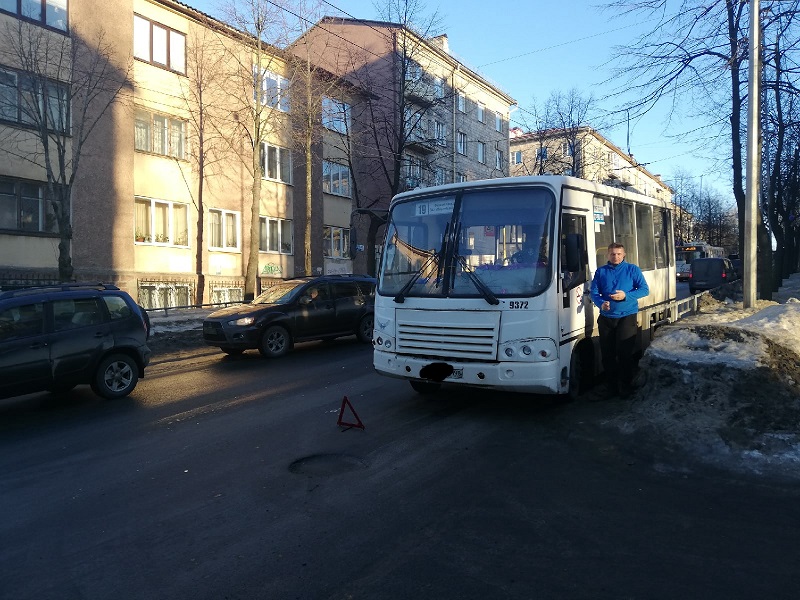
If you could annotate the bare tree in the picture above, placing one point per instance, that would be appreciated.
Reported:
(259, 97)
(314, 90)
(65, 86)
(203, 92)
(696, 54)
(559, 126)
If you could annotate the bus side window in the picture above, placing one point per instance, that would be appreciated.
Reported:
(573, 230)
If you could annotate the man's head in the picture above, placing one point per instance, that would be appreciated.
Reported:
(616, 253)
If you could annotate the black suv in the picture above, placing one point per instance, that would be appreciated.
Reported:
(305, 308)
(56, 337)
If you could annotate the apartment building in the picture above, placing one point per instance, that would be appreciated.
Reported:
(425, 118)
(162, 198)
(581, 152)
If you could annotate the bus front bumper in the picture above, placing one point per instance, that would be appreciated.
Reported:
(528, 377)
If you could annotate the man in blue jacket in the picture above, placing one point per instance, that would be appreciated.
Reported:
(616, 289)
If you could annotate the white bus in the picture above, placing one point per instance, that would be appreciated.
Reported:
(686, 253)
(486, 283)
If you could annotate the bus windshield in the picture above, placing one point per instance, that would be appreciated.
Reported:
(477, 243)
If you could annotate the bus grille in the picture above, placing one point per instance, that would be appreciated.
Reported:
(448, 334)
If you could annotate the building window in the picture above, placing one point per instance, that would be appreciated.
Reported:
(274, 89)
(413, 171)
(461, 177)
(276, 163)
(224, 229)
(159, 45)
(335, 115)
(51, 13)
(336, 242)
(439, 176)
(516, 157)
(164, 294)
(461, 143)
(567, 149)
(498, 159)
(481, 112)
(159, 134)
(276, 236)
(541, 153)
(462, 102)
(161, 222)
(498, 122)
(24, 207)
(335, 179)
(441, 133)
(33, 100)
(438, 87)
(481, 152)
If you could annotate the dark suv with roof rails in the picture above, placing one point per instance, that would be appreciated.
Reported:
(57, 337)
(295, 310)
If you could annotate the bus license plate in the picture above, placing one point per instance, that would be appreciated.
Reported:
(457, 374)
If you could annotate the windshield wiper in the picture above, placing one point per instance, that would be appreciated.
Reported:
(487, 294)
(401, 295)
(433, 258)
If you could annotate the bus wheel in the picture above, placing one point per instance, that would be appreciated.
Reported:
(425, 387)
(579, 377)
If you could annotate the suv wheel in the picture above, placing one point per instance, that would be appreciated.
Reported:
(275, 342)
(365, 326)
(116, 376)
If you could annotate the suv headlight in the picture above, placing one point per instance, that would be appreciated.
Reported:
(243, 322)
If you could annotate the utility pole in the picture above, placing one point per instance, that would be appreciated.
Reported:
(749, 256)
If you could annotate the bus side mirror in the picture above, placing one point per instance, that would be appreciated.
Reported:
(574, 246)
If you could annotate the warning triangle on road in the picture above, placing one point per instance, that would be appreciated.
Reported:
(342, 422)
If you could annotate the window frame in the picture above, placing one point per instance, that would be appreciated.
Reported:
(336, 179)
(336, 115)
(166, 134)
(276, 96)
(45, 217)
(147, 235)
(481, 148)
(281, 227)
(461, 143)
(341, 241)
(42, 20)
(281, 153)
(170, 36)
(461, 101)
(225, 245)
(25, 84)
(481, 112)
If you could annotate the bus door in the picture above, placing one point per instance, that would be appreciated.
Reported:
(573, 282)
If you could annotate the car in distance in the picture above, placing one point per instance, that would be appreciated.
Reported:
(57, 337)
(295, 310)
(710, 273)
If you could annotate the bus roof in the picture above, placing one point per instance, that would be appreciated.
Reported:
(554, 182)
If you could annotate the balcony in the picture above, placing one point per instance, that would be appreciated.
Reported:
(419, 142)
(420, 92)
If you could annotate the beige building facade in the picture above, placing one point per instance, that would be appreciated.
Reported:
(425, 119)
(585, 153)
(162, 196)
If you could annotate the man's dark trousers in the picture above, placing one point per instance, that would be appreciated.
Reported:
(617, 344)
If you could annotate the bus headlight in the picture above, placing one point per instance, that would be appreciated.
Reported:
(530, 350)
(383, 342)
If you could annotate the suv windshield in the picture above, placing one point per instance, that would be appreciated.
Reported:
(281, 293)
(480, 243)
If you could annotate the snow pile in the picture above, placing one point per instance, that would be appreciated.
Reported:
(725, 385)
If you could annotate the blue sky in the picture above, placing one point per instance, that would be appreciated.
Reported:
(532, 48)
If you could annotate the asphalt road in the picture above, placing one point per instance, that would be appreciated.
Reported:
(229, 478)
